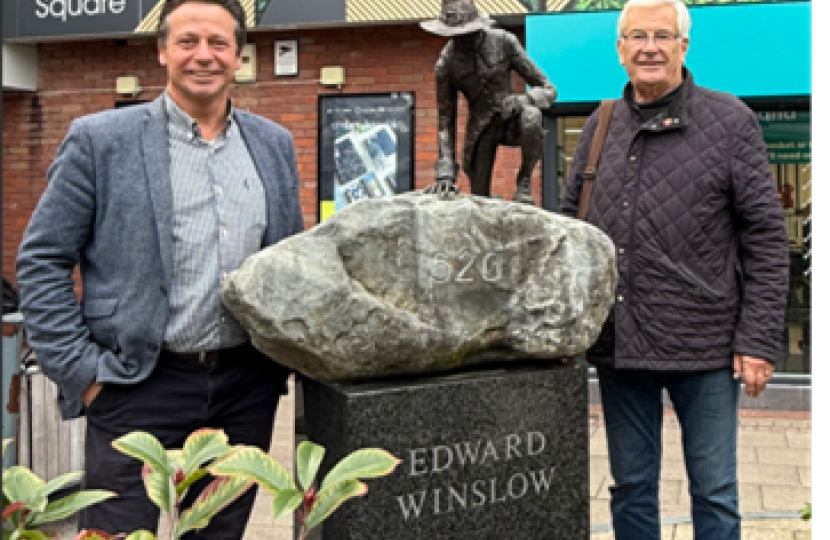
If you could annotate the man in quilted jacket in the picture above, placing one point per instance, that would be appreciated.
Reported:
(684, 190)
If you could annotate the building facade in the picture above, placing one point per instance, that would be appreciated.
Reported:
(66, 58)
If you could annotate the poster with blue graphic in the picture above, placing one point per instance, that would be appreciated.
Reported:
(365, 148)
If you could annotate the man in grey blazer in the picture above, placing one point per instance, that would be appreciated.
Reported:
(156, 203)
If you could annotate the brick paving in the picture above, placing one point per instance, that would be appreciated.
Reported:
(774, 475)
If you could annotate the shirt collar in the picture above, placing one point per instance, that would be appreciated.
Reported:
(179, 118)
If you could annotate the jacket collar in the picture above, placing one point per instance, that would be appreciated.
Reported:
(156, 155)
(676, 114)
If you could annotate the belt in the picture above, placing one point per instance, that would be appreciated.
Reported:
(205, 357)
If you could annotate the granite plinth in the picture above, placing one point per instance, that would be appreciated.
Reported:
(486, 455)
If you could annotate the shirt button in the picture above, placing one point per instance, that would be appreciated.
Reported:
(622, 250)
(633, 158)
(223, 232)
(625, 203)
(620, 298)
(217, 190)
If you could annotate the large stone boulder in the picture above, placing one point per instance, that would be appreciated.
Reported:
(415, 284)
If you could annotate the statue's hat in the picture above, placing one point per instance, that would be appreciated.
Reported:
(457, 17)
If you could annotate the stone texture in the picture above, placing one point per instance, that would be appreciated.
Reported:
(530, 477)
(414, 284)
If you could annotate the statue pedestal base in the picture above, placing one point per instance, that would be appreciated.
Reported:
(486, 455)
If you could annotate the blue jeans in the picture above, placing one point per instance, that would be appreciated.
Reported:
(707, 409)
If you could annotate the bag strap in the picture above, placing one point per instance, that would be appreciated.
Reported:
(590, 173)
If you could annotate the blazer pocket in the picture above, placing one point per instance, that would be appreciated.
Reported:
(99, 307)
(98, 313)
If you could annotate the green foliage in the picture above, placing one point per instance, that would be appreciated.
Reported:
(141, 535)
(94, 534)
(286, 501)
(254, 464)
(169, 474)
(216, 496)
(365, 463)
(329, 499)
(144, 447)
(70, 505)
(309, 457)
(26, 503)
(341, 484)
(816, 511)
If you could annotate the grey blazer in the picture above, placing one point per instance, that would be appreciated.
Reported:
(108, 208)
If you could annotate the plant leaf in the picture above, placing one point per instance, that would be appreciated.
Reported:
(22, 485)
(816, 511)
(202, 446)
(141, 535)
(309, 457)
(216, 496)
(182, 488)
(254, 464)
(330, 498)
(143, 446)
(95, 534)
(286, 501)
(11, 509)
(71, 504)
(363, 463)
(33, 534)
(175, 459)
(57, 483)
(160, 489)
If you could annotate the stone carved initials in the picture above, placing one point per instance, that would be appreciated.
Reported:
(490, 267)
(460, 278)
(492, 272)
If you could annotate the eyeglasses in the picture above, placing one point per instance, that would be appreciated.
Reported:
(662, 38)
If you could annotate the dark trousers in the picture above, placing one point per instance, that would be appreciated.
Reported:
(238, 395)
(706, 404)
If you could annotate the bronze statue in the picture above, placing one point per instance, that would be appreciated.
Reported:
(477, 62)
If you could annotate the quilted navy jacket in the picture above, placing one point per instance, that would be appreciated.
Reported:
(702, 250)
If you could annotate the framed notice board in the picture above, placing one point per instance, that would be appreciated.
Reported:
(365, 148)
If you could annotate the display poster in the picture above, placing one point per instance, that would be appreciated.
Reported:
(365, 148)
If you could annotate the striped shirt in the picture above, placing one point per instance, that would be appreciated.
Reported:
(219, 219)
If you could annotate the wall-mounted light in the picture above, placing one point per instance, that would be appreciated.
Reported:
(333, 76)
(128, 85)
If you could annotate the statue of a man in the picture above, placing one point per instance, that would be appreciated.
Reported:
(477, 62)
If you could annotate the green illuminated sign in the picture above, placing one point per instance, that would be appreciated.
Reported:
(787, 136)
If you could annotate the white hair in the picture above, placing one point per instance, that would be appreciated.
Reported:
(684, 20)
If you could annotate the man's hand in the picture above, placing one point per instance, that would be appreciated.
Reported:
(755, 371)
(445, 189)
(91, 393)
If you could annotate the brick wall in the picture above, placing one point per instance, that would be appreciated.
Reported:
(78, 78)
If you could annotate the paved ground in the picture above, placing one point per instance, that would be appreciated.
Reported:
(774, 457)
(774, 472)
